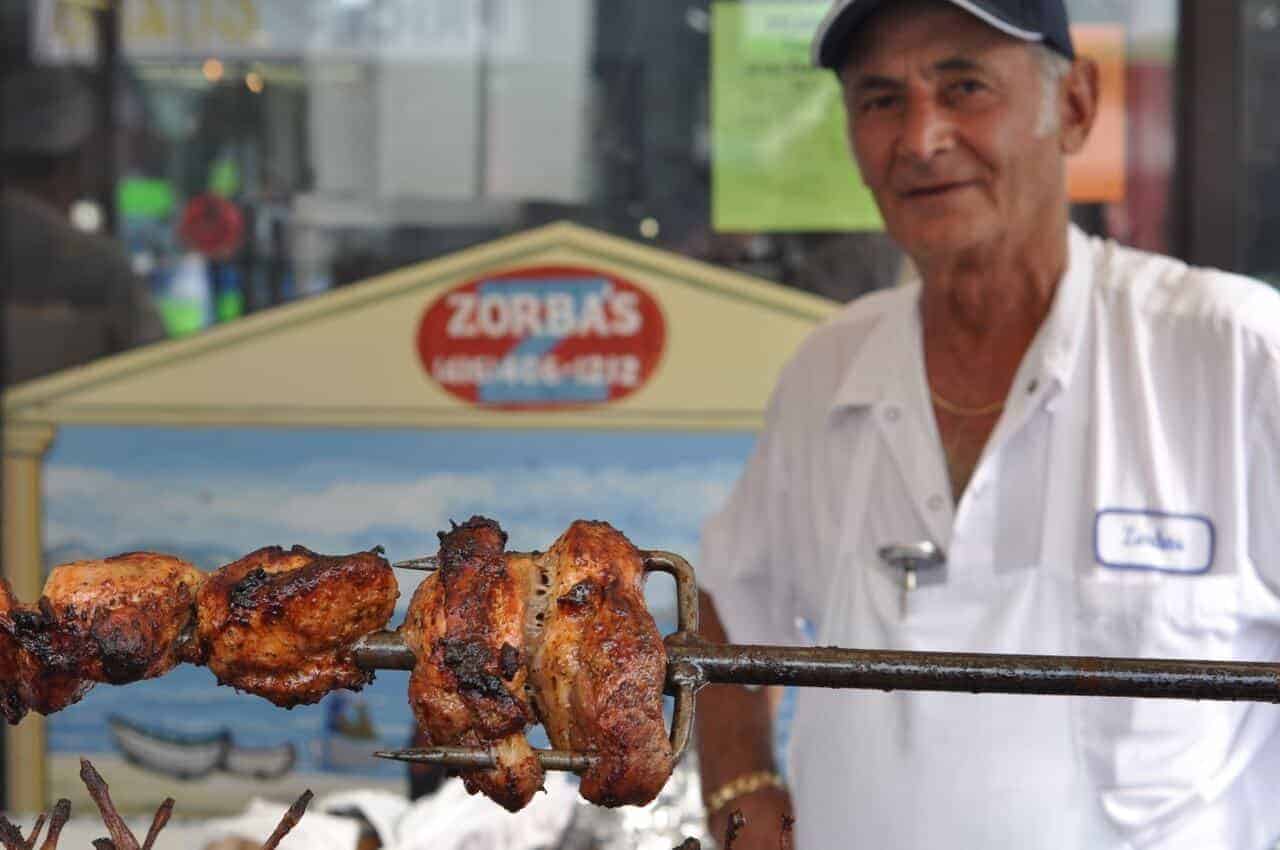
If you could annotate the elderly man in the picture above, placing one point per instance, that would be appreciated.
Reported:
(1090, 434)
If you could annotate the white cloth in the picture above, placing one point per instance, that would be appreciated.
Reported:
(316, 830)
(382, 809)
(1146, 414)
(451, 819)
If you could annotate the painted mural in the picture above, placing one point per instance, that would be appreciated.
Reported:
(212, 495)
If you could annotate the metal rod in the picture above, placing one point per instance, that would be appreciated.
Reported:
(470, 758)
(979, 673)
(383, 651)
(692, 662)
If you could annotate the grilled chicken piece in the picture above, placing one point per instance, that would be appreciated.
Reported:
(281, 624)
(12, 703)
(466, 627)
(599, 665)
(134, 612)
(116, 620)
(49, 662)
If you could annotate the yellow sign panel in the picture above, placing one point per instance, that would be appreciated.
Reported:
(354, 357)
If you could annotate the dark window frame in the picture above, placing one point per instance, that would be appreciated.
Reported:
(1207, 196)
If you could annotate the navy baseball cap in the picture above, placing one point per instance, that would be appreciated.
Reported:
(1042, 21)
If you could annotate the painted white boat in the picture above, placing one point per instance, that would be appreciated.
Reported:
(260, 762)
(179, 756)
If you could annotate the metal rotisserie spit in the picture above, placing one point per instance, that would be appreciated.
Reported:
(693, 663)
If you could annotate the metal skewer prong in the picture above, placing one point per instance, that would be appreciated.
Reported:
(472, 758)
(429, 563)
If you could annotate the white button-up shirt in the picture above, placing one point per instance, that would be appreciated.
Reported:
(1127, 504)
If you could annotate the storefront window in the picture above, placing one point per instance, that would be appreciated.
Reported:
(1259, 173)
(269, 150)
(1136, 46)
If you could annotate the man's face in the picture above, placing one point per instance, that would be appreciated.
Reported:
(944, 118)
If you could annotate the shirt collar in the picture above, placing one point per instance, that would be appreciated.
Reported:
(883, 361)
(1056, 348)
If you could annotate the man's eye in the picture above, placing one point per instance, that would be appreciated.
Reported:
(967, 87)
(876, 104)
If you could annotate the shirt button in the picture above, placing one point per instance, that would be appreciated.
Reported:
(892, 413)
(936, 502)
(1033, 386)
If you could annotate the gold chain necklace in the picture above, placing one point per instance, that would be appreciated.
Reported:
(957, 410)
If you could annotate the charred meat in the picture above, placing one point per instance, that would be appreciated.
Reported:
(281, 624)
(41, 663)
(466, 627)
(134, 613)
(12, 703)
(599, 665)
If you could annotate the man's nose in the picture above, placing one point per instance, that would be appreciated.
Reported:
(927, 129)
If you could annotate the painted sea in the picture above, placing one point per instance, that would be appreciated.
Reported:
(212, 495)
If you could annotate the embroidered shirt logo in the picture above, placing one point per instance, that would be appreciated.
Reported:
(1153, 540)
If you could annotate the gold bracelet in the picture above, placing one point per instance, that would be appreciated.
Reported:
(741, 786)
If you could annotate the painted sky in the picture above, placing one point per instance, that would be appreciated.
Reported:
(348, 490)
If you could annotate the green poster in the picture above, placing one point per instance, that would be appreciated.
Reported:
(779, 157)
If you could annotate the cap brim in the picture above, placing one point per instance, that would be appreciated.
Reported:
(831, 41)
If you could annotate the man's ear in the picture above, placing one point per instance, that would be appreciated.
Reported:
(1080, 95)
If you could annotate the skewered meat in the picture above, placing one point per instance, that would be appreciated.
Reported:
(49, 663)
(43, 662)
(281, 624)
(576, 618)
(12, 704)
(278, 624)
(466, 627)
(599, 665)
(500, 640)
(115, 620)
(134, 614)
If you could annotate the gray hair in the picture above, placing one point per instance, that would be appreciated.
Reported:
(1054, 68)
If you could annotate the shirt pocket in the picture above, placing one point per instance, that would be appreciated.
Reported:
(1152, 759)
